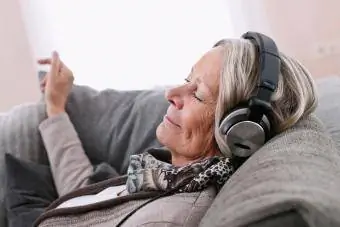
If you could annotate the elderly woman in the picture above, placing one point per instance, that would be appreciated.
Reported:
(236, 97)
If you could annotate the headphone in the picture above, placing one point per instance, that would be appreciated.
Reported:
(248, 126)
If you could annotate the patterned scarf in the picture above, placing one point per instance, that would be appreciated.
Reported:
(147, 173)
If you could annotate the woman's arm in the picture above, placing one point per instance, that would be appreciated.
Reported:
(70, 166)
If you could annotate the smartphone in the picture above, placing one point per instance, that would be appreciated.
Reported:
(41, 75)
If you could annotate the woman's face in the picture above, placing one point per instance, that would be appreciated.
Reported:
(188, 126)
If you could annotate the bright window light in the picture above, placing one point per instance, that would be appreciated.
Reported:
(126, 44)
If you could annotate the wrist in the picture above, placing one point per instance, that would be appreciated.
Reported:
(53, 111)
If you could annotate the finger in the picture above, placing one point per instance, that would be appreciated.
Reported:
(45, 61)
(64, 70)
(62, 67)
(55, 66)
(66, 73)
(59, 63)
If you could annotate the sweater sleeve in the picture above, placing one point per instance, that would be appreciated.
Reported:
(70, 166)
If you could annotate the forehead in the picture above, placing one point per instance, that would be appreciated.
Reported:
(208, 68)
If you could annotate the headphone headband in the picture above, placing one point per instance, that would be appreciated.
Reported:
(269, 64)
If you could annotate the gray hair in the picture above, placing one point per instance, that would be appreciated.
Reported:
(294, 98)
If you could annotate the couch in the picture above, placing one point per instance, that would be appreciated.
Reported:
(294, 180)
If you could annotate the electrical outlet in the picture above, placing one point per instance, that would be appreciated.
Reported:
(327, 49)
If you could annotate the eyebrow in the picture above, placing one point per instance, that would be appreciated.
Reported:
(191, 72)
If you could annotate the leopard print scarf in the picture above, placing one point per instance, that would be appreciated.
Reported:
(147, 173)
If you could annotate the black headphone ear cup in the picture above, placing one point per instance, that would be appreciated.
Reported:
(235, 116)
(242, 136)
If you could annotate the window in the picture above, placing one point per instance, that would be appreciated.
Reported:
(126, 44)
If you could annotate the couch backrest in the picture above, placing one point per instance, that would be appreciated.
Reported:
(328, 109)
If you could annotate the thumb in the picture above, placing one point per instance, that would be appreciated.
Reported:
(55, 63)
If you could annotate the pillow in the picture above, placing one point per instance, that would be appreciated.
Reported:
(20, 137)
(30, 189)
(293, 180)
(111, 124)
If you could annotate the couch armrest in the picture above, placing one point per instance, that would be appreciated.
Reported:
(293, 180)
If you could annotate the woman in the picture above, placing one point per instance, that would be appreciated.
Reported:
(195, 158)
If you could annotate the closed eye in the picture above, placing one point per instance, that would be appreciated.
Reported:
(196, 97)
(194, 93)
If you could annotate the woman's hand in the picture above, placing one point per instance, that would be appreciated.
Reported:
(56, 85)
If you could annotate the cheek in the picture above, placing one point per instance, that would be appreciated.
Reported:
(198, 123)
(207, 121)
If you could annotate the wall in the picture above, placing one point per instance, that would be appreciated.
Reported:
(248, 16)
(18, 82)
(306, 29)
(310, 30)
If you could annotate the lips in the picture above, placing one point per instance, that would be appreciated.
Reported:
(170, 120)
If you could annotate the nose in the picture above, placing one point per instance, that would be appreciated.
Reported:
(175, 96)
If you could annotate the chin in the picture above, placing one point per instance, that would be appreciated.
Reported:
(162, 134)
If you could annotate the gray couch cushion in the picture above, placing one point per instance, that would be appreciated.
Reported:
(329, 105)
(111, 124)
(294, 178)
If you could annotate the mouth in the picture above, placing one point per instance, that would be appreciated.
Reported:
(168, 119)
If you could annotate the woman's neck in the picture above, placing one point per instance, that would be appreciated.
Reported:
(181, 160)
